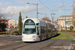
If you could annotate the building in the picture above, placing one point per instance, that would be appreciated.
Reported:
(55, 22)
(8, 22)
(11, 21)
(62, 22)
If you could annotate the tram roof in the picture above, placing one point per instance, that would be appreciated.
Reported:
(36, 20)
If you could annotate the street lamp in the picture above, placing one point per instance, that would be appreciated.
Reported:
(36, 7)
(52, 16)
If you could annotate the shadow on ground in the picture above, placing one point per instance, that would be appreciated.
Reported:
(56, 35)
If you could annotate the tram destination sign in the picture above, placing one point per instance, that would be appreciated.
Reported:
(29, 22)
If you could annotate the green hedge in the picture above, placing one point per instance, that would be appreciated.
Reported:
(1, 33)
(67, 31)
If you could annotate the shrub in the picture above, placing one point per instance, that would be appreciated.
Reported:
(66, 30)
(63, 30)
(74, 30)
(8, 31)
(15, 33)
(2, 33)
(71, 28)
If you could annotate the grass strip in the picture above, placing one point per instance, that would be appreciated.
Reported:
(64, 36)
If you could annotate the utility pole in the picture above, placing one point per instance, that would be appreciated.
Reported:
(52, 16)
(37, 10)
(36, 7)
(64, 14)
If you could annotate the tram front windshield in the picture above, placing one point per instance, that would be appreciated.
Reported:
(29, 27)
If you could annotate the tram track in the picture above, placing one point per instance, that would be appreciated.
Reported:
(57, 44)
(22, 46)
(45, 45)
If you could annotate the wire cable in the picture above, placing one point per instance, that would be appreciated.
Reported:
(65, 16)
(45, 6)
(64, 6)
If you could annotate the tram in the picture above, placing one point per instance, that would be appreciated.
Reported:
(36, 30)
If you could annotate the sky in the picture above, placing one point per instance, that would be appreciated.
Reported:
(11, 8)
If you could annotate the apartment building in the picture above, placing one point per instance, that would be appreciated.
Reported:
(62, 22)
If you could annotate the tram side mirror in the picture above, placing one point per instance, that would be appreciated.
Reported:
(37, 28)
(37, 33)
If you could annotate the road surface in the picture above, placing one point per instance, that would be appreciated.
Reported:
(11, 38)
(50, 44)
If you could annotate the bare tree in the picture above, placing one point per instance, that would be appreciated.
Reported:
(46, 19)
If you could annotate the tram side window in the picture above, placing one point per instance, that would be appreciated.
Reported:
(55, 29)
(43, 29)
(49, 28)
(52, 29)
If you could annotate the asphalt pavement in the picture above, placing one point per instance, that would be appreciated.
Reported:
(49, 44)
(11, 38)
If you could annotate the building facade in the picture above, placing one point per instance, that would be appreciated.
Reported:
(8, 22)
(65, 20)
(12, 22)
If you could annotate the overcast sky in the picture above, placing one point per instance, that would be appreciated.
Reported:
(11, 8)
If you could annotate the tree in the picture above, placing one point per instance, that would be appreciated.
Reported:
(20, 23)
(2, 24)
(73, 14)
(26, 16)
(46, 19)
(71, 28)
